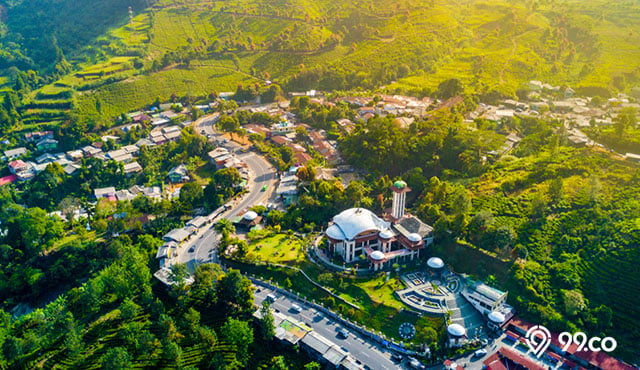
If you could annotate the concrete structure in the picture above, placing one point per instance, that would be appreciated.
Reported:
(399, 189)
(485, 298)
(456, 335)
(358, 231)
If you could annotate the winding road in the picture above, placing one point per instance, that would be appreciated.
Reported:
(202, 247)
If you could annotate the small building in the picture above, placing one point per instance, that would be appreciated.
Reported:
(46, 158)
(47, 144)
(131, 168)
(91, 151)
(323, 349)
(247, 220)
(18, 166)
(75, 155)
(178, 235)
(484, 298)
(179, 174)
(14, 153)
(217, 153)
(632, 157)
(456, 335)
(107, 192)
(198, 222)
(33, 137)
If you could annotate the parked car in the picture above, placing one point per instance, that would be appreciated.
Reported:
(396, 357)
(270, 298)
(296, 308)
(479, 353)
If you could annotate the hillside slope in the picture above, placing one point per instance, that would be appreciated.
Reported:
(196, 47)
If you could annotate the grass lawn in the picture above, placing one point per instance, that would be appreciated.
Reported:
(380, 310)
(279, 248)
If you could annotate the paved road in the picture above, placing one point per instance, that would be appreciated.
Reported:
(370, 354)
(202, 247)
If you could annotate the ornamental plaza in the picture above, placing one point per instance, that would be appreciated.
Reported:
(383, 240)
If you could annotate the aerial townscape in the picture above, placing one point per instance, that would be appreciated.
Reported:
(437, 184)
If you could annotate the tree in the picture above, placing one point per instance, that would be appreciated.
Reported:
(278, 363)
(239, 334)
(191, 195)
(573, 301)
(449, 88)
(625, 119)
(116, 359)
(178, 273)
(266, 322)
(229, 124)
(312, 366)
(235, 294)
(426, 334)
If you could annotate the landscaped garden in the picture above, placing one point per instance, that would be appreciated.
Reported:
(374, 294)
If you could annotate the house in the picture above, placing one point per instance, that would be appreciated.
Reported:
(131, 149)
(144, 142)
(123, 195)
(256, 129)
(70, 169)
(280, 140)
(198, 222)
(632, 157)
(18, 166)
(346, 124)
(178, 235)
(8, 179)
(170, 129)
(131, 168)
(179, 174)
(91, 151)
(32, 137)
(404, 122)
(75, 155)
(47, 144)
(46, 158)
(172, 136)
(217, 153)
(120, 155)
(108, 192)
(106, 138)
(12, 154)
(159, 121)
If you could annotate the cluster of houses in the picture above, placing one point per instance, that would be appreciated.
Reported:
(544, 100)
(175, 238)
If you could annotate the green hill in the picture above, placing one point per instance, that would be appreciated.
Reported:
(196, 47)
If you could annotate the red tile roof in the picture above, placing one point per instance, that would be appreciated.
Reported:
(8, 179)
(599, 359)
(506, 359)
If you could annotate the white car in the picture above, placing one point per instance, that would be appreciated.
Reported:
(479, 353)
(296, 308)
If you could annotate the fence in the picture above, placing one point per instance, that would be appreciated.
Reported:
(379, 338)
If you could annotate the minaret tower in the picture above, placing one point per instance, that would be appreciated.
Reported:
(400, 189)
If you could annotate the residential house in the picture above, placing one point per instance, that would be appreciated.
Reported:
(217, 153)
(346, 124)
(33, 137)
(256, 129)
(75, 155)
(281, 140)
(91, 151)
(301, 158)
(14, 153)
(120, 155)
(108, 193)
(179, 174)
(46, 158)
(131, 168)
(47, 144)
(172, 136)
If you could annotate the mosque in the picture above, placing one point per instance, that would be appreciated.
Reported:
(396, 238)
